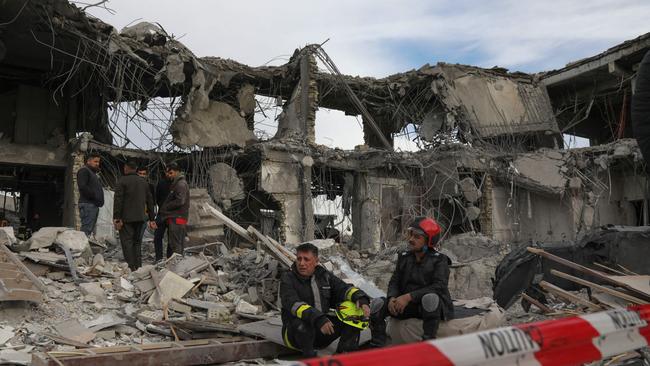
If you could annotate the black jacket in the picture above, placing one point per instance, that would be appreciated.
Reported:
(90, 188)
(133, 200)
(177, 203)
(298, 298)
(162, 191)
(418, 279)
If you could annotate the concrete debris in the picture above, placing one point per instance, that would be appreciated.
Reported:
(72, 329)
(6, 333)
(469, 190)
(74, 240)
(225, 184)
(171, 286)
(217, 124)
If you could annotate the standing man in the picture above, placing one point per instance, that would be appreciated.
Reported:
(419, 285)
(143, 173)
(307, 293)
(162, 191)
(175, 209)
(132, 198)
(91, 194)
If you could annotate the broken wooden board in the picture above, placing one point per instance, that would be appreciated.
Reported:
(17, 282)
(566, 295)
(197, 352)
(592, 285)
(639, 283)
(277, 252)
(228, 222)
(588, 271)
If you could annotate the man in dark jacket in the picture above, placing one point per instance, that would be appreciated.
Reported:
(133, 203)
(419, 285)
(91, 194)
(307, 293)
(175, 209)
(162, 191)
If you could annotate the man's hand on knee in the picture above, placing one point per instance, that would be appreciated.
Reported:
(401, 302)
(327, 328)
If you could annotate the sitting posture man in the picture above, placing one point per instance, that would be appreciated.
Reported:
(307, 292)
(418, 287)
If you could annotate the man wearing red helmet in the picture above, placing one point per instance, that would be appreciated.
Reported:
(419, 285)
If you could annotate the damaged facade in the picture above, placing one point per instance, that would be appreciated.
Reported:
(492, 165)
(492, 160)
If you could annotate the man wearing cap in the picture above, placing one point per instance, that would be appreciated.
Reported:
(307, 292)
(418, 287)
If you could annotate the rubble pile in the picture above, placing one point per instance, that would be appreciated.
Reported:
(96, 301)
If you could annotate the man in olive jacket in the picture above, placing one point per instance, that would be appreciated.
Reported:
(176, 208)
(419, 285)
(133, 204)
(307, 292)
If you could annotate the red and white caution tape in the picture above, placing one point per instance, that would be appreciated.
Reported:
(568, 341)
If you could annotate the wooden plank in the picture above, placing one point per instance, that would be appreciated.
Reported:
(598, 287)
(609, 269)
(545, 309)
(204, 354)
(228, 222)
(596, 274)
(641, 283)
(549, 287)
(284, 249)
(272, 248)
(18, 263)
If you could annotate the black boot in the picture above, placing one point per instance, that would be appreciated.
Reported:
(430, 328)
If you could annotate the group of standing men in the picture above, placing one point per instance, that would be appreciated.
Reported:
(134, 207)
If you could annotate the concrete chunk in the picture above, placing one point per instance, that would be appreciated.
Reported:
(172, 286)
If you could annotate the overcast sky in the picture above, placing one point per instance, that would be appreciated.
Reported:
(378, 38)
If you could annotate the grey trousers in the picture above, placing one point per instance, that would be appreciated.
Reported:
(175, 238)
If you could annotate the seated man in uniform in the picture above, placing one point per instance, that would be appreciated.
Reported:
(307, 292)
(418, 287)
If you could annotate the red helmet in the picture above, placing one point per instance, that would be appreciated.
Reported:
(428, 227)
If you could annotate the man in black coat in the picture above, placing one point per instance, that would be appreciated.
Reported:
(91, 193)
(418, 287)
(132, 206)
(307, 292)
(162, 191)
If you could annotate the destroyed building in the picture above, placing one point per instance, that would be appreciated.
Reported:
(492, 159)
(493, 162)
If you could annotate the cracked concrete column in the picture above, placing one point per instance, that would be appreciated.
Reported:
(298, 118)
(366, 213)
(287, 177)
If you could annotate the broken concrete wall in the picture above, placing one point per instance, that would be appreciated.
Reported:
(201, 226)
(225, 185)
(493, 104)
(377, 210)
(298, 116)
(287, 177)
(217, 124)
